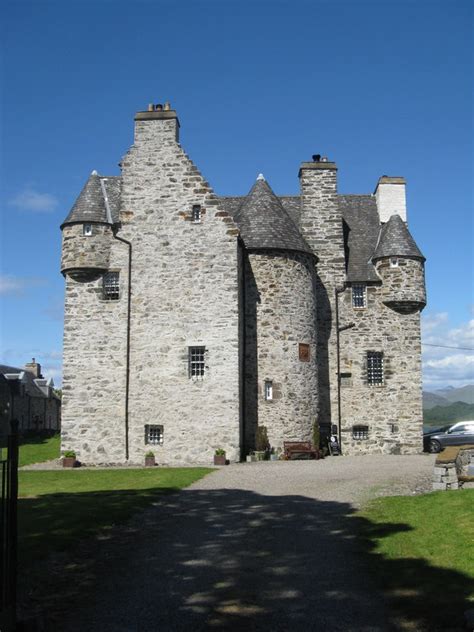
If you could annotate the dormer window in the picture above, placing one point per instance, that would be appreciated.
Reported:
(196, 213)
(394, 262)
(87, 230)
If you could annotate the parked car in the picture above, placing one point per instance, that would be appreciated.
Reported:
(459, 433)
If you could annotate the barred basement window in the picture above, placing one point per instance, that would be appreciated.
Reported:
(154, 435)
(196, 213)
(87, 230)
(196, 361)
(375, 368)
(359, 296)
(111, 286)
(360, 432)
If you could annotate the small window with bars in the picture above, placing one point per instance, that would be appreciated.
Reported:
(111, 286)
(153, 435)
(359, 296)
(196, 361)
(360, 433)
(196, 213)
(375, 368)
(268, 390)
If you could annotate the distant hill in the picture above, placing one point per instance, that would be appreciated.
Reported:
(442, 415)
(462, 394)
(448, 395)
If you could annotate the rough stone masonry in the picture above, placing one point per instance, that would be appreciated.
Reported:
(191, 318)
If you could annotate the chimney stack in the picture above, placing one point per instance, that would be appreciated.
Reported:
(158, 121)
(34, 368)
(391, 198)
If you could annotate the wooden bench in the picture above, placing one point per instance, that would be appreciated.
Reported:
(300, 450)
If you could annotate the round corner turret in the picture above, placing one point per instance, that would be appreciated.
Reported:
(85, 250)
(403, 278)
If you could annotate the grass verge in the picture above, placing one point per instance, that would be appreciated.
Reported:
(57, 508)
(38, 448)
(421, 551)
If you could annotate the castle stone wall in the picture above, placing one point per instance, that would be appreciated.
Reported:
(280, 314)
(403, 284)
(393, 411)
(87, 252)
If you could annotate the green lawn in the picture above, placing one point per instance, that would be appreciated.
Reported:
(421, 550)
(37, 448)
(56, 508)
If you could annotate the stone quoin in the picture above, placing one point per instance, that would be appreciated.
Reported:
(193, 318)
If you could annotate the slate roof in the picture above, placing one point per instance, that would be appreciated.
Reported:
(362, 227)
(264, 223)
(90, 206)
(396, 241)
(34, 387)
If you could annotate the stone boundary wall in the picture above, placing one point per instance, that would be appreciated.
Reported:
(451, 466)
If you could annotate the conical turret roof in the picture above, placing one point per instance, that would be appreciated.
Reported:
(396, 241)
(91, 206)
(264, 223)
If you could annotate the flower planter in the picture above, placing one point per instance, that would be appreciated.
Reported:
(219, 459)
(69, 461)
(150, 461)
(260, 455)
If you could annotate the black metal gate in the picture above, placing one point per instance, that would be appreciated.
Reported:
(8, 528)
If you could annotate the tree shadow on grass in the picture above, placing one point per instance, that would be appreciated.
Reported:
(237, 560)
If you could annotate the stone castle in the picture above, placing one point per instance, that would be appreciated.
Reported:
(192, 318)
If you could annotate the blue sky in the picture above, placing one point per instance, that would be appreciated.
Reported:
(379, 87)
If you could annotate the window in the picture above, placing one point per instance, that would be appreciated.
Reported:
(154, 435)
(303, 352)
(196, 361)
(375, 368)
(111, 286)
(268, 390)
(394, 262)
(87, 230)
(360, 433)
(359, 295)
(196, 213)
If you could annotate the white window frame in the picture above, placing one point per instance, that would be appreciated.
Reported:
(196, 362)
(268, 390)
(154, 434)
(394, 262)
(87, 230)
(356, 297)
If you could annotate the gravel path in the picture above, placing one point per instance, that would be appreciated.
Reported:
(260, 546)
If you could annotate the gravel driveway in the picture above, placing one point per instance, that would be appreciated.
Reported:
(260, 546)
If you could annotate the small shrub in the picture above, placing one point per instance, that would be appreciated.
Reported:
(220, 452)
(262, 444)
(69, 454)
(150, 454)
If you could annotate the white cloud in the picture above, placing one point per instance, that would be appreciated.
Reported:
(10, 284)
(442, 365)
(31, 200)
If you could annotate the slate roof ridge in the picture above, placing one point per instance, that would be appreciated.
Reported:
(265, 224)
(395, 240)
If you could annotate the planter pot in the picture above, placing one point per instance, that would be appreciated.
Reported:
(274, 457)
(150, 461)
(69, 461)
(260, 455)
(219, 459)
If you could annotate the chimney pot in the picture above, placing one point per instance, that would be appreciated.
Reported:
(151, 107)
(159, 107)
(167, 106)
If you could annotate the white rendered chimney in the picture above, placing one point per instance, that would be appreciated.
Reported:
(391, 198)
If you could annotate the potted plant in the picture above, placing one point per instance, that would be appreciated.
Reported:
(69, 458)
(150, 459)
(219, 457)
